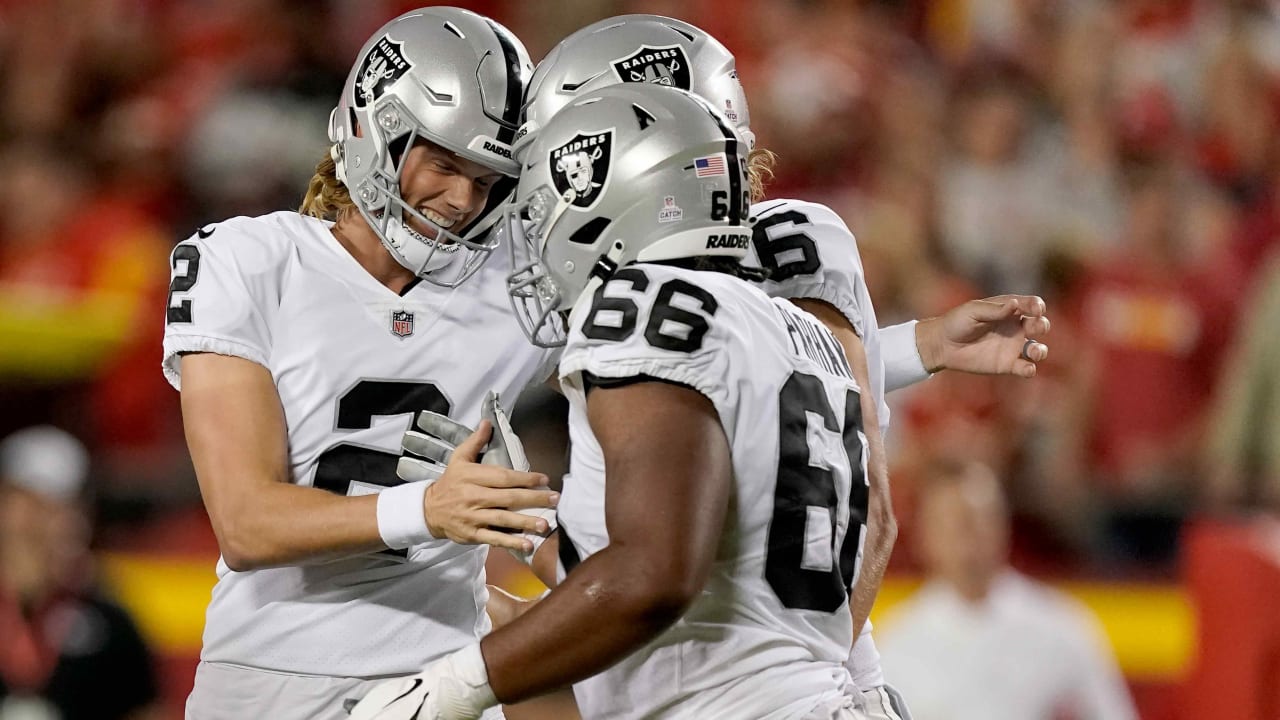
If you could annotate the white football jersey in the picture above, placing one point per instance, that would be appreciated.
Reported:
(769, 634)
(811, 253)
(352, 361)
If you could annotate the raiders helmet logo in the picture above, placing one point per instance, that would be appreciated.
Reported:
(665, 65)
(582, 166)
(382, 66)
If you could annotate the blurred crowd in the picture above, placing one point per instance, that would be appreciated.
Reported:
(1118, 157)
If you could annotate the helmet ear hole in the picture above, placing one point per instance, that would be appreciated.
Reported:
(397, 148)
(590, 231)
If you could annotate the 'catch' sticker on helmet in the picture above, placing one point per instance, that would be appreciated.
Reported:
(384, 65)
(582, 166)
(665, 65)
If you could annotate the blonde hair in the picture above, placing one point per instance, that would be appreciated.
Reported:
(327, 198)
(760, 164)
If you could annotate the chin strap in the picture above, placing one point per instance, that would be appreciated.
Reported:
(606, 265)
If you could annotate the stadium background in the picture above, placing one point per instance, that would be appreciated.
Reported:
(1118, 157)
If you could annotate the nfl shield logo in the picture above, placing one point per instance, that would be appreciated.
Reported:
(401, 323)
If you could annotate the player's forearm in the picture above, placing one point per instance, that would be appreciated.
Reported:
(882, 533)
(669, 471)
(238, 438)
(610, 606)
(543, 563)
(283, 524)
(882, 526)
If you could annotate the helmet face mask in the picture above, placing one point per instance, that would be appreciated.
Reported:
(535, 296)
(664, 178)
(635, 49)
(447, 258)
(447, 76)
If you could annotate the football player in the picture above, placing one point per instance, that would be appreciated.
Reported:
(723, 447)
(303, 343)
(810, 253)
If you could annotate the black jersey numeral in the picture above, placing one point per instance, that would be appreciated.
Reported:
(669, 326)
(785, 254)
(804, 485)
(345, 467)
(182, 282)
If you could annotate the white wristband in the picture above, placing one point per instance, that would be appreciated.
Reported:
(402, 522)
(902, 363)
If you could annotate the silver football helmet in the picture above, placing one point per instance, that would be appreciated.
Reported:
(628, 173)
(447, 75)
(636, 49)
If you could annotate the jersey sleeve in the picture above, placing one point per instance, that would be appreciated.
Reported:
(224, 292)
(648, 322)
(810, 253)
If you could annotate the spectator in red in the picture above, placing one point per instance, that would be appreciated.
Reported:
(1151, 321)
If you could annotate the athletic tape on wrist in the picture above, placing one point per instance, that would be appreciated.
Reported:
(401, 520)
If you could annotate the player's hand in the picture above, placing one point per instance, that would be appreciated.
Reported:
(453, 688)
(995, 336)
(504, 448)
(440, 436)
(398, 699)
(469, 502)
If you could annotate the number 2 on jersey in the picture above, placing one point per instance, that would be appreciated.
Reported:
(344, 467)
(182, 282)
(805, 502)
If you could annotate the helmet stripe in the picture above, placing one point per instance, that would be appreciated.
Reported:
(735, 171)
(515, 89)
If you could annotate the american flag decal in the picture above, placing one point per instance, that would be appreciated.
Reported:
(709, 166)
(401, 323)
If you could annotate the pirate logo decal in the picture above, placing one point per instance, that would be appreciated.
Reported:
(581, 167)
(665, 65)
(384, 65)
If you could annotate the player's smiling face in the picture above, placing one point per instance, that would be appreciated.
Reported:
(448, 189)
